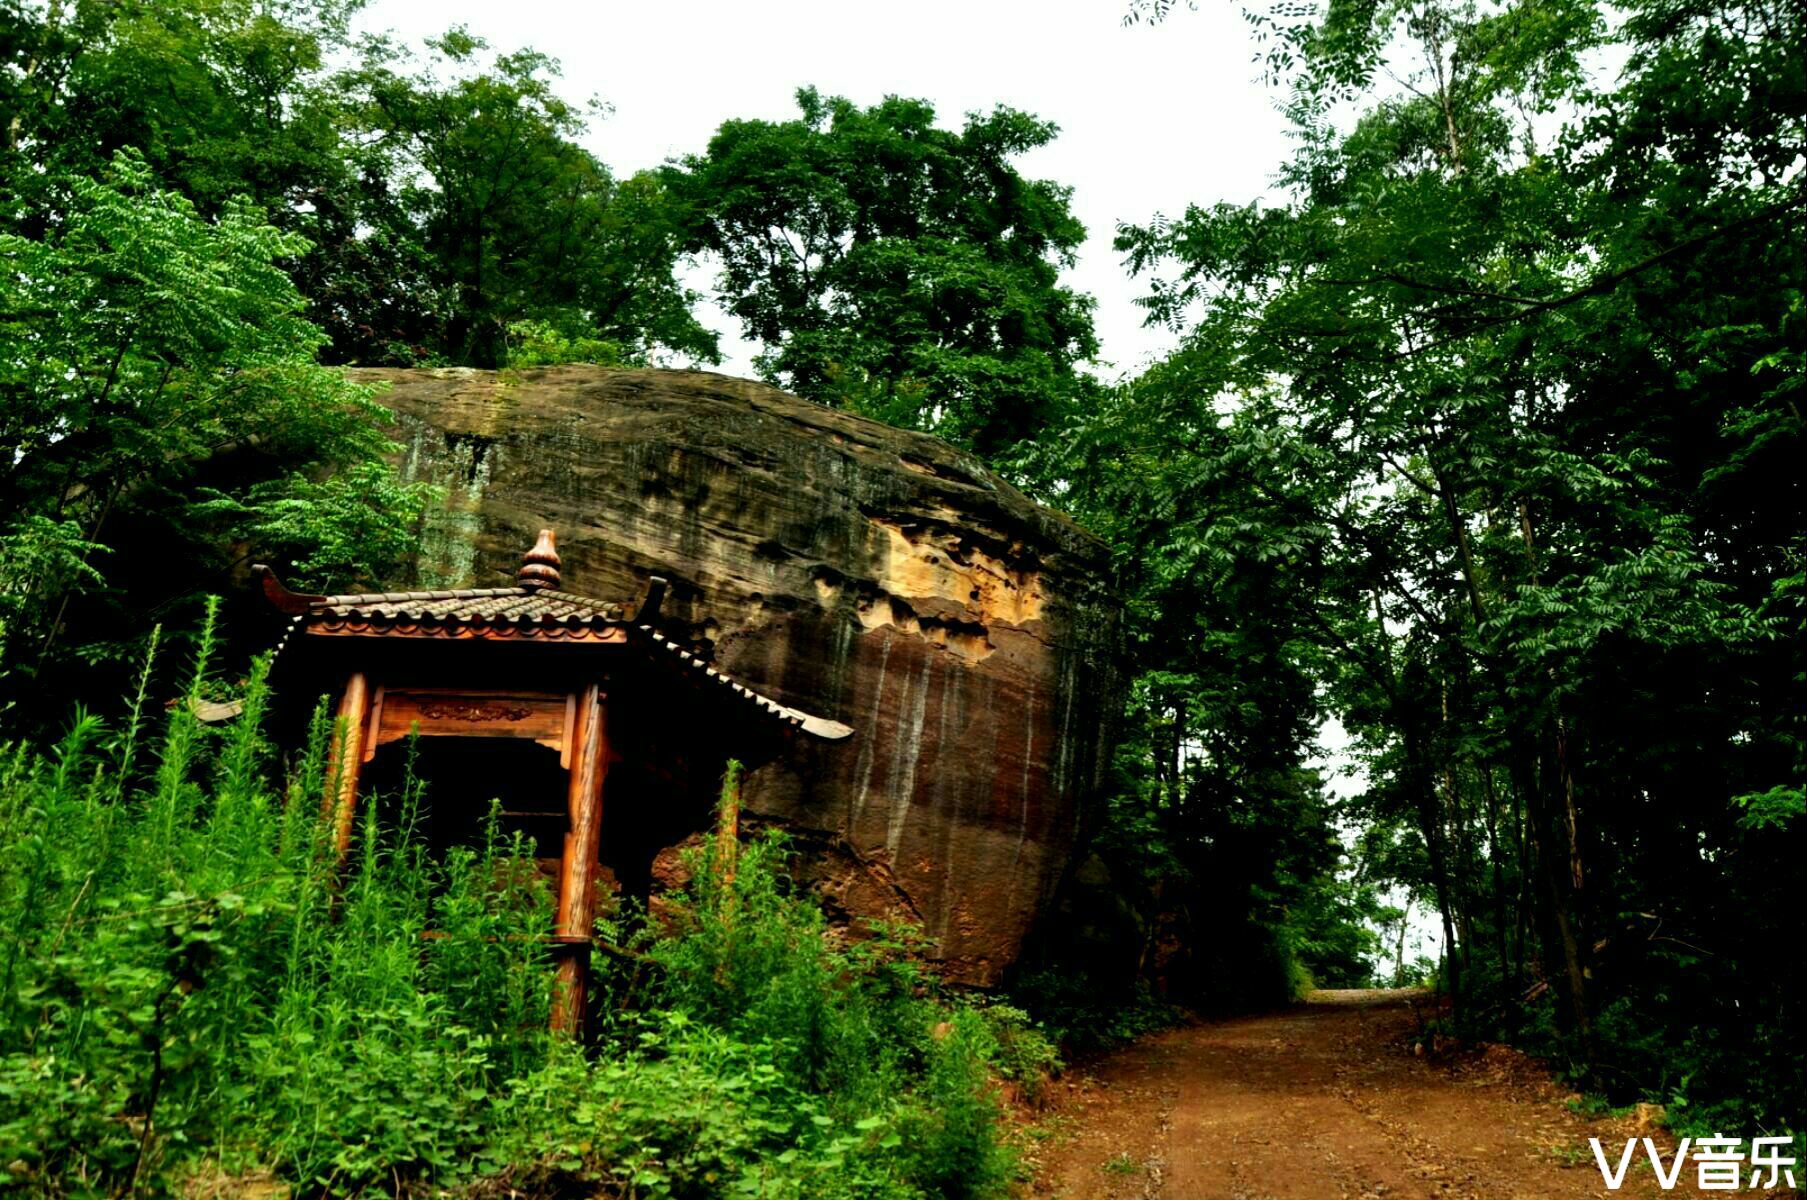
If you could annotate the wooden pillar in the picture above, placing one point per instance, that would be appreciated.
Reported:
(577, 878)
(344, 758)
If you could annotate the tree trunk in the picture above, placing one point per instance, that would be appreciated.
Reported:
(1405, 922)
(1561, 927)
(1424, 793)
(1498, 871)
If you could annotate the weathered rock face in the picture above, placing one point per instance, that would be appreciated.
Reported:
(868, 574)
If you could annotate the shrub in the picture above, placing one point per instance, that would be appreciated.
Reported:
(192, 988)
(854, 1023)
(1085, 1018)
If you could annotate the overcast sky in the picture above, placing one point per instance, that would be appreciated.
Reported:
(1151, 118)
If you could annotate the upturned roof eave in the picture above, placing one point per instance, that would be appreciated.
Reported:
(391, 615)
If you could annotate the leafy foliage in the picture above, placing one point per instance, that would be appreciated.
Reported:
(441, 202)
(514, 221)
(1219, 814)
(194, 994)
(147, 355)
(898, 269)
(1484, 441)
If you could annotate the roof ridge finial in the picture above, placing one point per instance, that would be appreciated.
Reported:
(539, 566)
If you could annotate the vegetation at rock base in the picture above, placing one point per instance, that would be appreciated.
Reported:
(192, 994)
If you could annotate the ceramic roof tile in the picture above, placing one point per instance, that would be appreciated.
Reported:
(466, 605)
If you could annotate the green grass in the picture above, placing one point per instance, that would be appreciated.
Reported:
(1124, 1164)
(191, 990)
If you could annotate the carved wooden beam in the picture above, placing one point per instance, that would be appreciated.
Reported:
(549, 632)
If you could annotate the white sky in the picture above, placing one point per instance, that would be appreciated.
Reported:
(1152, 117)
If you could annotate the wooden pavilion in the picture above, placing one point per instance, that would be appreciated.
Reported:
(525, 666)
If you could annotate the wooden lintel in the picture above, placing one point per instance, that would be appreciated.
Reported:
(455, 712)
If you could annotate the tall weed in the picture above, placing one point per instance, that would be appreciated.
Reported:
(193, 989)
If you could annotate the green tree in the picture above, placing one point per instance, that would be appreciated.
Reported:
(517, 222)
(1514, 374)
(159, 386)
(1220, 806)
(896, 268)
(221, 98)
(437, 211)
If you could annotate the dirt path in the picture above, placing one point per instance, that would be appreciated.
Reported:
(1322, 1102)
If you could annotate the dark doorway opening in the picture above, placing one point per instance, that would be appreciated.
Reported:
(461, 779)
(645, 809)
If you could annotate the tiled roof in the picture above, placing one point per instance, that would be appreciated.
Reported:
(513, 605)
(821, 727)
(516, 611)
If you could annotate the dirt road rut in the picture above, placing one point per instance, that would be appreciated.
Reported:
(1326, 1101)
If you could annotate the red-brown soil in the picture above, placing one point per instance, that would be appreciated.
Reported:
(1337, 1098)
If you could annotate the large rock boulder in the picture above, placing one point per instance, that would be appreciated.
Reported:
(865, 573)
